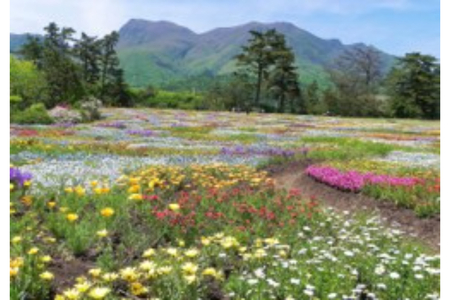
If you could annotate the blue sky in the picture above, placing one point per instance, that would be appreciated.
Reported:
(394, 26)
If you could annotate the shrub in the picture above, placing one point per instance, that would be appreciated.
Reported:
(90, 109)
(63, 114)
(35, 114)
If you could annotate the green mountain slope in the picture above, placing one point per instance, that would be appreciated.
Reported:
(161, 53)
(154, 52)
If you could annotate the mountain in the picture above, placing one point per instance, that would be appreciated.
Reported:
(163, 52)
(17, 40)
(157, 52)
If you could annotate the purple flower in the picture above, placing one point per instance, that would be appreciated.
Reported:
(143, 132)
(18, 177)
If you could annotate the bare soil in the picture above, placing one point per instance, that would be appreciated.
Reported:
(425, 231)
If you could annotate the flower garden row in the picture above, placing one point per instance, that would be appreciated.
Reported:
(203, 232)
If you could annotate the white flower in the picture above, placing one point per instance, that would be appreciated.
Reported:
(394, 275)
(295, 281)
(418, 276)
(252, 281)
(273, 283)
(379, 270)
(349, 253)
(308, 292)
(259, 273)
(332, 296)
(381, 286)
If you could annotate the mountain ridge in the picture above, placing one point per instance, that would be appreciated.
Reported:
(157, 52)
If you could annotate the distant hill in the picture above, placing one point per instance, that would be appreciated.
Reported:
(17, 40)
(162, 52)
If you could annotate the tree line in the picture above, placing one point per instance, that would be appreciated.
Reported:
(60, 68)
(359, 84)
(70, 69)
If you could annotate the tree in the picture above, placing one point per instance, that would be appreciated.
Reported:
(33, 50)
(88, 51)
(313, 103)
(109, 62)
(415, 87)
(257, 57)
(26, 83)
(59, 67)
(267, 58)
(356, 75)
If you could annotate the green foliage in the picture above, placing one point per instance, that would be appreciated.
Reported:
(414, 85)
(26, 83)
(175, 100)
(35, 114)
(268, 60)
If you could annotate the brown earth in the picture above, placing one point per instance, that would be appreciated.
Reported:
(425, 231)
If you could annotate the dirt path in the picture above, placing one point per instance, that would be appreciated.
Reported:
(424, 230)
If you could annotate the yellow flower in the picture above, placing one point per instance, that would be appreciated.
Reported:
(33, 251)
(172, 252)
(94, 183)
(107, 212)
(63, 209)
(138, 289)
(27, 183)
(80, 191)
(129, 274)
(98, 191)
(259, 253)
(51, 204)
(148, 253)
(191, 253)
(205, 241)
(189, 268)
(68, 190)
(72, 294)
(11, 187)
(164, 270)
(174, 207)
(72, 217)
(13, 272)
(59, 297)
(136, 197)
(109, 277)
(210, 272)
(102, 233)
(95, 272)
(99, 293)
(82, 287)
(16, 239)
(46, 258)
(147, 265)
(47, 276)
(27, 200)
(133, 189)
(228, 242)
(189, 278)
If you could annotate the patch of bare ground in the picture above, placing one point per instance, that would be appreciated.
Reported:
(425, 231)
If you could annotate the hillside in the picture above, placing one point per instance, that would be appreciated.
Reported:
(164, 53)
(158, 52)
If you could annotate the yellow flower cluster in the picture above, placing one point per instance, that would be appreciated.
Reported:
(162, 178)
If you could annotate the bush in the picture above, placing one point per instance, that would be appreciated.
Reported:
(63, 114)
(90, 109)
(35, 114)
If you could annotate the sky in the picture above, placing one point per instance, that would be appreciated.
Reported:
(394, 26)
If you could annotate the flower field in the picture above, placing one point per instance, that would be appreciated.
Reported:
(159, 204)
